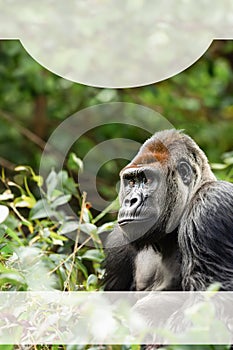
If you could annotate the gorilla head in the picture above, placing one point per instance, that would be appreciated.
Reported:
(158, 184)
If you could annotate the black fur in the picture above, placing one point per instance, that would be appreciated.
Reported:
(206, 238)
(199, 250)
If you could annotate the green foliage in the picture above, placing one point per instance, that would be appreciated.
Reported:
(224, 170)
(36, 252)
(198, 100)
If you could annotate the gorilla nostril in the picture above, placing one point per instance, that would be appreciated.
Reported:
(133, 201)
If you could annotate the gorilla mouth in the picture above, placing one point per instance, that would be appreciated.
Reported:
(125, 221)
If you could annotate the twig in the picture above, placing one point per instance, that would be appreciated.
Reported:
(26, 132)
(76, 241)
(76, 247)
(7, 164)
(70, 256)
(18, 213)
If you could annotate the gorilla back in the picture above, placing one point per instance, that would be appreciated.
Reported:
(175, 223)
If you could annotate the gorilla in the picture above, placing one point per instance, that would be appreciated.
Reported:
(175, 223)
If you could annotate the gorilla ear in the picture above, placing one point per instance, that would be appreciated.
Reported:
(185, 171)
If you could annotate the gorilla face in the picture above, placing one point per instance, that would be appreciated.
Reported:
(148, 193)
(142, 197)
(156, 188)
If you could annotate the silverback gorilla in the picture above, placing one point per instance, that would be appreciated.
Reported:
(175, 223)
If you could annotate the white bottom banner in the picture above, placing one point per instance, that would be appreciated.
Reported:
(116, 317)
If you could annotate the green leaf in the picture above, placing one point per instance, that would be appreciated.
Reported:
(51, 183)
(93, 255)
(11, 222)
(108, 226)
(7, 347)
(24, 168)
(82, 268)
(88, 228)
(66, 184)
(218, 166)
(214, 287)
(38, 179)
(19, 179)
(60, 201)
(55, 194)
(14, 236)
(25, 202)
(92, 280)
(41, 210)
(69, 226)
(13, 184)
(4, 212)
(74, 163)
(6, 195)
(228, 161)
(57, 237)
(12, 277)
(86, 215)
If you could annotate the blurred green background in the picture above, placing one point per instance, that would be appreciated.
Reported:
(33, 101)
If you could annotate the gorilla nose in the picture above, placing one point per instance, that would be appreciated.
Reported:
(133, 202)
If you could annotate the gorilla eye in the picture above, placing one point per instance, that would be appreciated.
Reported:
(185, 171)
(131, 183)
(129, 180)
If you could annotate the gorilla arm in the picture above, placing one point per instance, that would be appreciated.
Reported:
(206, 238)
(119, 263)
